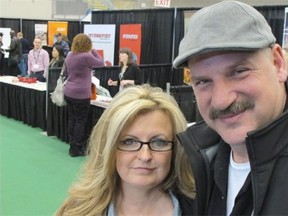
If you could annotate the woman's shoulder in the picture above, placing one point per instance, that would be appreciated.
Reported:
(134, 66)
(60, 61)
(85, 55)
(186, 204)
(74, 56)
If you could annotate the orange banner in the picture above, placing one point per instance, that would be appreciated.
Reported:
(130, 37)
(54, 27)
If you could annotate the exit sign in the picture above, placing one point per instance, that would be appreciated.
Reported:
(162, 3)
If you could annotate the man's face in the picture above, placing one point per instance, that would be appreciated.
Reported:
(37, 43)
(238, 92)
(59, 38)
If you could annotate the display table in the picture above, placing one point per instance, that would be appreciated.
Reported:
(27, 103)
(101, 101)
(23, 101)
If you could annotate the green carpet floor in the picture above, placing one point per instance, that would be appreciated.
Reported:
(35, 170)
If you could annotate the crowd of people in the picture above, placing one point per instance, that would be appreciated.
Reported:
(78, 58)
(234, 162)
(142, 159)
(34, 61)
(26, 60)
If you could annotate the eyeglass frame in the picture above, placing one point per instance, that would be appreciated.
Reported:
(147, 143)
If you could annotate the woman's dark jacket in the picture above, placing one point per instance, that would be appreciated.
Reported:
(132, 72)
(57, 63)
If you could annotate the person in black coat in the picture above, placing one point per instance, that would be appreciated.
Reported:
(239, 153)
(15, 54)
(25, 51)
(129, 72)
(58, 57)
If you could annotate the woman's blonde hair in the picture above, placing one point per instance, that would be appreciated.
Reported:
(100, 183)
(81, 43)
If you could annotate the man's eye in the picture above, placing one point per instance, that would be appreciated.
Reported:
(240, 71)
(201, 82)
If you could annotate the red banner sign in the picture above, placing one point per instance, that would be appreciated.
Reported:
(130, 37)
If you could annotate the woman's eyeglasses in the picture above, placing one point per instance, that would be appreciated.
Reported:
(158, 145)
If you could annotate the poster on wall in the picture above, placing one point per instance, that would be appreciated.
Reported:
(285, 30)
(130, 37)
(103, 39)
(55, 27)
(41, 31)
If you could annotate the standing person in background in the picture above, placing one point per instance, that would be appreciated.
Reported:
(79, 64)
(238, 74)
(38, 61)
(129, 70)
(23, 62)
(15, 54)
(66, 39)
(58, 57)
(60, 41)
(135, 164)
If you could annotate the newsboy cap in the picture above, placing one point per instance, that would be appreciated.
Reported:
(225, 26)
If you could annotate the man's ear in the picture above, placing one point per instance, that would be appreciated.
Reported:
(280, 63)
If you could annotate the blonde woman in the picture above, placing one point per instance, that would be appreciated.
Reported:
(135, 165)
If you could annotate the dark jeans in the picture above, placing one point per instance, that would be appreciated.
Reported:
(38, 75)
(23, 65)
(78, 111)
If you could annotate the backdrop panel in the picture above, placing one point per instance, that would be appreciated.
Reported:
(157, 31)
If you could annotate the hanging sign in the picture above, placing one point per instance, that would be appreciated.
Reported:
(54, 27)
(162, 3)
(130, 37)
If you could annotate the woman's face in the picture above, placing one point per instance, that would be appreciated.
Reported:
(123, 57)
(55, 53)
(145, 168)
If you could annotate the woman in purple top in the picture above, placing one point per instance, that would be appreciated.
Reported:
(79, 63)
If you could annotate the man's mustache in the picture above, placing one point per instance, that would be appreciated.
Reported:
(234, 108)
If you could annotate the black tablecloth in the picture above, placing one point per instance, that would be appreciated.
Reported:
(23, 104)
(57, 120)
(57, 117)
